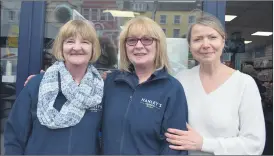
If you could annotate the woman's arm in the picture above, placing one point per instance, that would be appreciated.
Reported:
(176, 116)
(18, 125)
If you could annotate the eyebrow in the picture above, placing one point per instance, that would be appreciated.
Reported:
(206, 35)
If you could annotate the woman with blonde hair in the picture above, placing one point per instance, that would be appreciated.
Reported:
(142, 99)
(59, 112)
(225, 110)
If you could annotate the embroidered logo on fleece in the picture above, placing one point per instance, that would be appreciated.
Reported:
(97, 108)
(151, 103)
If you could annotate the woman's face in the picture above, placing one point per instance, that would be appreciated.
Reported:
(77, 51)
(206, 44)
(141, 50)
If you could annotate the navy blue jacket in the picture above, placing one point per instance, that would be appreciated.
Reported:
(25, 135)
(136, 116)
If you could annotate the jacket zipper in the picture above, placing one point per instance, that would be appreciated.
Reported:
(125, 116)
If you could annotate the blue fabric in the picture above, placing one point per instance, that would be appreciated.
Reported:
(136, 116)
(25, 135)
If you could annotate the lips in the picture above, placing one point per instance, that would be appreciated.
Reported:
(204, 53)
(77, 54)
(139, 54)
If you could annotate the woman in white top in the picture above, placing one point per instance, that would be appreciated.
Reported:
(225, 111)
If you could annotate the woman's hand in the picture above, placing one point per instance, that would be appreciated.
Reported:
(31, 76)
(184, 140)
(104, 74)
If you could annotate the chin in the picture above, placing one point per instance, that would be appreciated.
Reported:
(78, 63)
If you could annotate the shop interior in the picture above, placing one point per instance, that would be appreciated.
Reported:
(249, 26)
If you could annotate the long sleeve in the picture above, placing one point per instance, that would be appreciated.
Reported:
(251, 137)
(176, 116)
(18, 125)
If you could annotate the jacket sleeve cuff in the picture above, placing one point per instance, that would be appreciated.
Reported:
(209, 145)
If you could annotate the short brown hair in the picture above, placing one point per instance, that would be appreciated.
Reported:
(71, 29)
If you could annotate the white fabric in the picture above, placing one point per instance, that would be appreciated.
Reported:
(230, 119)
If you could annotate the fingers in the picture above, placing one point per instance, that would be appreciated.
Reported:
(31, 76)
(104, 75)
(186, 147)
(175, 142)
(176, 147)
(181, 144)
(42, 71)
(172, 136)
(177, 131)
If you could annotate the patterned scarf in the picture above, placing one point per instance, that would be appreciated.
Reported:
(79, 98)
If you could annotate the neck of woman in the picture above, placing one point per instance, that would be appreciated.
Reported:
(143, 73)
(77, 72)
(211, 69)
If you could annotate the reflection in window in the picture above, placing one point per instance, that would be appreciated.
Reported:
(191, 19)
(110, 17)
(164, 30)
(177, 19)
(176, 33)
(94, 15)
(11, 15)
(139, 7)
(162, 19)
(172, 16)
(86, 13)
(103, 16)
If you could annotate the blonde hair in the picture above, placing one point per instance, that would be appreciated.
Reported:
(71, 29)
(206, 19)
(144, 26)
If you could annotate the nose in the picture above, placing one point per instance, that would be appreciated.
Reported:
(77, 46)
(139, 44)
(205, 44)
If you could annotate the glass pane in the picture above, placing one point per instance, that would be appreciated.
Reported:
(10, 12)
(173, 17)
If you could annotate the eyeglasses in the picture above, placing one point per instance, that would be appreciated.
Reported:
(146, 41)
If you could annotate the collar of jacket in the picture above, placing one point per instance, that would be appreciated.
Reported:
(132, 79)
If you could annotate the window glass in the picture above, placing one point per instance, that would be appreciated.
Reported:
(173, 16)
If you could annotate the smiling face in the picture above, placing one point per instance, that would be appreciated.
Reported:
(206, 44)
(141, 50)
(77, 51)
(142, 43)
(76, 43)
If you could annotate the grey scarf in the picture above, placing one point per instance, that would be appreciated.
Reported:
(79, 98)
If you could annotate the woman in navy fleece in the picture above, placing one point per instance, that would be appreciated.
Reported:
(142, 99)
(59, 112)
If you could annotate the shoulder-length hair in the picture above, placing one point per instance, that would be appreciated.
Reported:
(146, 27)
(71, 29)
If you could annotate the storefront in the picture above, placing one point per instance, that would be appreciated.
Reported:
(28, 29)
